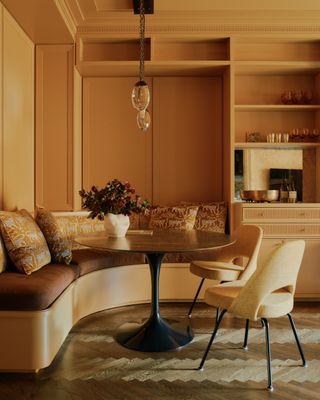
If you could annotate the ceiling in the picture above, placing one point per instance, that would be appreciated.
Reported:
(40, 19)
(59, 21)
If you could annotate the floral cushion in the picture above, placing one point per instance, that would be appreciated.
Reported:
(3, 256)
(78, 225)
(24, 241)
(59, 247)
(211, 217)
(134, 221)
(173, 218)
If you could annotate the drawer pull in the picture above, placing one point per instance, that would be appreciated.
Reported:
(302, 214)
(260, 214)
(302, 229)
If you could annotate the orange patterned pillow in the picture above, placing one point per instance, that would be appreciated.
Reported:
(3, 257)
(134, 221)
(78, 225)
(173, 218)
(211, 217)
(24, 241)
(59, 247)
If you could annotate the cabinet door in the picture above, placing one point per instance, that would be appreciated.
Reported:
(113, 145)
(308, 283)
(54, 126)
(187, 145)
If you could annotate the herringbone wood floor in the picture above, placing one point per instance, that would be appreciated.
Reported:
(90, 365)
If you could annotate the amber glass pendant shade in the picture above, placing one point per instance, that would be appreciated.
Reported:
(140, 96)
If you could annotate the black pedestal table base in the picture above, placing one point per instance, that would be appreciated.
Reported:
(155, 334)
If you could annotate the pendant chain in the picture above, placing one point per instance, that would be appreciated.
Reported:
(142, 30)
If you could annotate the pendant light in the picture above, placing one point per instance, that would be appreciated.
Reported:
(140, 93)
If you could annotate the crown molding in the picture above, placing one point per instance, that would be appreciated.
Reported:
(67, 16)
(207, 28)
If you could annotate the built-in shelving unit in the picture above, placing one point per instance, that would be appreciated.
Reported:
(283, 146)
(277, 107)
(163, 56)
(255, 72)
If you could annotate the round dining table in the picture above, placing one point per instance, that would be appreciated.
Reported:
(156, 334)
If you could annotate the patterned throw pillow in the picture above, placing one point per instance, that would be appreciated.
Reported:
(59, 247)
(173, 218)
(78, 225)
(211, 217)
(24, 241)
(134, 221)
(3, 256)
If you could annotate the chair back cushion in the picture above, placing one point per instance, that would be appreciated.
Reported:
(280, 271)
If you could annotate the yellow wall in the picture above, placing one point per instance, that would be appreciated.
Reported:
(17, 133)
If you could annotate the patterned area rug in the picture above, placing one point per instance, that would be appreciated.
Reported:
(91, 365)
(227, 362)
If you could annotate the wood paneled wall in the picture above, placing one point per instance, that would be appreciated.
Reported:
(54, 126)
(178, 158)
(187, 150)
(113, 146)
(17, 125)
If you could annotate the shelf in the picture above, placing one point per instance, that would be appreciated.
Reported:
(279, 146)
(113, 50)
(276, 67)
(272, 49)
(276, 107)
(179, 49)
(152, 68)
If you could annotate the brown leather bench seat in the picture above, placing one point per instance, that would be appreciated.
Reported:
(39, 290)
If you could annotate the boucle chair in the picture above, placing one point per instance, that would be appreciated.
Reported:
(269, 293)
(222, 268)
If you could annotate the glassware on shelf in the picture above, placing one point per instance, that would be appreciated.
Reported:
(298, 96)
(304, 135)
(307, 96)
(270, 137)
(285, 137)
(287, 97)
(292, 193)
(277, 137)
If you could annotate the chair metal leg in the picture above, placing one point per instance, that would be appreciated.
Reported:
(195, 297)
(215, 330)
(217, 314)
(245, 342)
(304, 362)
(268, 351)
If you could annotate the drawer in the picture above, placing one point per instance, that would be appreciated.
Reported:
(281, 214)
(290, 230)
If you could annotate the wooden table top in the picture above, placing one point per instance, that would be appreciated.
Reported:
(158, 242)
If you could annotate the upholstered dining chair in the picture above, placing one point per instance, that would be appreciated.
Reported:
(269, 293)
(222, 266)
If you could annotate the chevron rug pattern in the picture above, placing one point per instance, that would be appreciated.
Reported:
(173, 367)
(91, 365)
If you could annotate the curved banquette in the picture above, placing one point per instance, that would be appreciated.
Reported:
(37, 311)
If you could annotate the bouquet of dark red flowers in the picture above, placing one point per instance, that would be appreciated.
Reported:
(115, 198)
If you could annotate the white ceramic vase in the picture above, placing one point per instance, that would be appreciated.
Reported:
(116, 225)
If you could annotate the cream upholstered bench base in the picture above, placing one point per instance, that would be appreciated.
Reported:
(29, 340)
